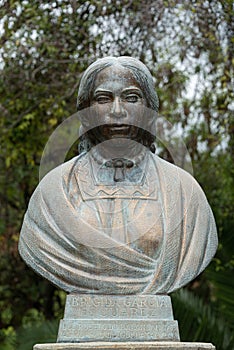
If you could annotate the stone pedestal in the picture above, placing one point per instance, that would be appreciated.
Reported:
(112, 318)
(105, 322)
(126, 346)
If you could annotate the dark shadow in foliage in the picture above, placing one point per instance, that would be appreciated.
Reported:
(198, 322)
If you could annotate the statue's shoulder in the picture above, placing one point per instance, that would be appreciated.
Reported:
(174, 174)
(169, 167)
(62, 169)
(53, 186)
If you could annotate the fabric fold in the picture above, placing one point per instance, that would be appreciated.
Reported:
(118, 245)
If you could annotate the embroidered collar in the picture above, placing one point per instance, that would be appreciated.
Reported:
(93, 184)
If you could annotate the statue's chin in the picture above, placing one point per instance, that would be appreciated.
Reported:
(128, 138)
(119, 147)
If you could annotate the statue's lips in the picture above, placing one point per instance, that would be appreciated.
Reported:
(117, 130)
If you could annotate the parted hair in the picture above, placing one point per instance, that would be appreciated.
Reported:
(138, 69)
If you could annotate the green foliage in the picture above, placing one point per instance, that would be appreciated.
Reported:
(7, 338)
(45, 332)
(199, 323)
(45, 46)
(223, 286)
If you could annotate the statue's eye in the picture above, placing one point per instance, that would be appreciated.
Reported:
(133, 98)
(103, 99)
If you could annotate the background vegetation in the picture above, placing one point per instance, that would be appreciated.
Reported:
(44, 47)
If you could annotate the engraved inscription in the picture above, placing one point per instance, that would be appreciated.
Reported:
(118, 330)
(158, 307)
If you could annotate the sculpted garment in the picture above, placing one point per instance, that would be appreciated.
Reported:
(89, 235)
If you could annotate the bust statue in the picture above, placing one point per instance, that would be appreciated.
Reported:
(117, 219)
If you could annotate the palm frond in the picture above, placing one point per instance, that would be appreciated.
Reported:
(199, 322)
(223, 287)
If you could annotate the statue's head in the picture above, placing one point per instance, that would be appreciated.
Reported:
(120, 100)
(137, 68)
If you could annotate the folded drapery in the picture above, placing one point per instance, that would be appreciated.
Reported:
(149, 237)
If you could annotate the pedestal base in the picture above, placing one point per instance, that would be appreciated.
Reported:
(108, 322)
(126, 346)
(112, 318)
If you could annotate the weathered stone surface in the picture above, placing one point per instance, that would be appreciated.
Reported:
(117, 330)
(127, 346)
(123, 307)
(117, 219)
(118, 318)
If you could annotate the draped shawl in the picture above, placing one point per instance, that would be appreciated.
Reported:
(151, 237)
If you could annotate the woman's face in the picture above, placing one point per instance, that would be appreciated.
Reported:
(118, 104)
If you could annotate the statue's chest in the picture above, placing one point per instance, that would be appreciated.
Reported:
(136, 222)
(130, 213)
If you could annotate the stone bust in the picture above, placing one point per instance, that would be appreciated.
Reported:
(117, 219)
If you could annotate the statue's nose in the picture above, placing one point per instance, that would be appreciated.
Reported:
(117, 109)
